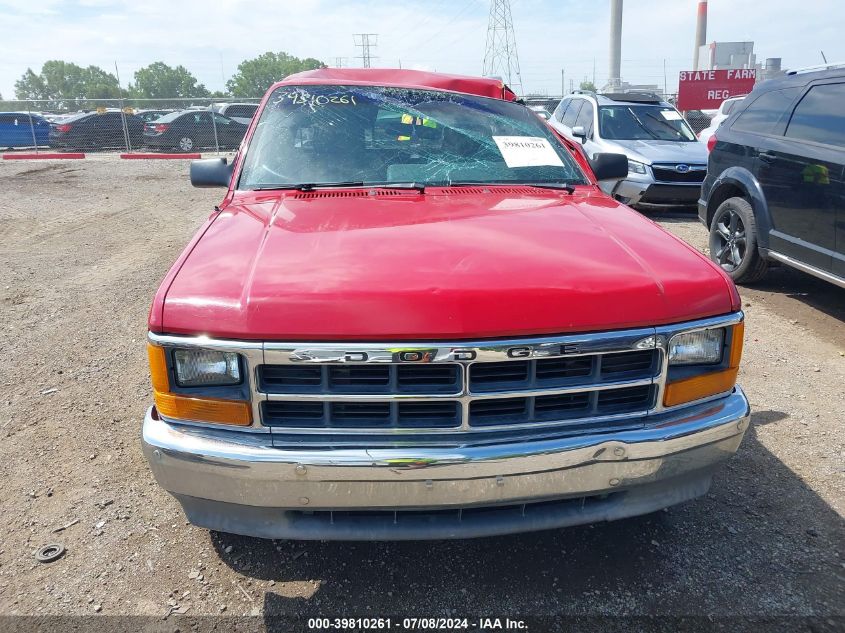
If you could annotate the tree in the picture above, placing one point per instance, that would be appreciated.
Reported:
(160, 81)
(254, 76)
(62, 82)
(588, 86)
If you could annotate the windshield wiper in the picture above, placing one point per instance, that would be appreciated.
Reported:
(312, 186)
(416, 186)
(675, 131)
(307, 186)
(563, 186)
(648, 130)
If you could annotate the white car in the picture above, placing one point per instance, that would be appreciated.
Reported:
(666, 163)
(540, 111)
(722, 113)
(240, 112)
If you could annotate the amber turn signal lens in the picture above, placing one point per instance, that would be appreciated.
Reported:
(211, 410)
(736, 344)
(710, 384)
(177, 407)
(158, 368)
(698, 387)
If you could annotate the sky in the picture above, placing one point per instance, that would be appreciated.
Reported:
(211, 38)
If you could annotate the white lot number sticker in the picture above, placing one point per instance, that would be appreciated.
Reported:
(527, 151)
(671, 115)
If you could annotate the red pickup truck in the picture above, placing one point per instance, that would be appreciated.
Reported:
(415, 315)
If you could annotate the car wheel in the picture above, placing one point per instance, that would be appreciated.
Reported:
(186, 143)
(733, 241)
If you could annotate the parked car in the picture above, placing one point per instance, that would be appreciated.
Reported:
(719, 117)
(23, 129)
(666, 163)
(240, 112)
(775, 190)
(152, 115)
(541, 112)
(699, 119)
(97, 130)
(190, 130)
(415, 315)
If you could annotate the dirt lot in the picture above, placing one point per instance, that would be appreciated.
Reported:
(83, 246)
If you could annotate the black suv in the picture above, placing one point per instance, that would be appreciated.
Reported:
(775, 186)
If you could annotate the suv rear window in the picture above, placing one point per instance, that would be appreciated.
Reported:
(572, 112)
(585, 117)
(765, 111)
(819, 116)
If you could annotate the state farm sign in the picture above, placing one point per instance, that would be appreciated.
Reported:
(706, 89)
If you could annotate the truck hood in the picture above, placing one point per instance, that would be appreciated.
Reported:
(449, 264)
(664, 151)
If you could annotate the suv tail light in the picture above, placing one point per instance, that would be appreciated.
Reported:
(64, 128)
(711, 143)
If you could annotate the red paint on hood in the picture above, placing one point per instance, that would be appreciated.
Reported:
(405, 266)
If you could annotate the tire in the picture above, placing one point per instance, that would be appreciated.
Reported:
(186, 144)
(733, 241)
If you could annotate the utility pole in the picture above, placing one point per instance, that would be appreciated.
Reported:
(562, 82)
(366, 42)
(500, 56)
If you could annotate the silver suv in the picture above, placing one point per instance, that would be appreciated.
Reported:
(666, 163)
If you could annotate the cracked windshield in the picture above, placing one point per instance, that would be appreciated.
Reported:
(378, 135)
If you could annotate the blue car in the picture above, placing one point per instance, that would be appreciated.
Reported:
(15, 130)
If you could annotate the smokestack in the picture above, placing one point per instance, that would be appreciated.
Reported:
(615, 78)
(700, 32)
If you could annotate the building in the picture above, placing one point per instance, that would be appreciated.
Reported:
(726, 55)
(737, 55)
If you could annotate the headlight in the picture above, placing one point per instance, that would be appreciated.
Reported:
(199, 368)
(635, 167)
(702, 347)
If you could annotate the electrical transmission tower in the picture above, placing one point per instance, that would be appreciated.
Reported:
(366, 41)
(500, 56)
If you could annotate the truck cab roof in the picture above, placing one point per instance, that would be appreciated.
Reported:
(481, 86)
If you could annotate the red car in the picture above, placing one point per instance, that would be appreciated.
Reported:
(415, 315)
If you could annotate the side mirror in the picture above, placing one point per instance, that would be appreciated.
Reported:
(211, 172)
(609, 166)
(579, 132)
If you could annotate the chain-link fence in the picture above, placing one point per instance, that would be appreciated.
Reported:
(152, 125)
(125, 125)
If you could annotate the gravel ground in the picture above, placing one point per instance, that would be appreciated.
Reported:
(83, 246)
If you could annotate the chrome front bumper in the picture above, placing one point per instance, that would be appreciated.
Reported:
(239, 482)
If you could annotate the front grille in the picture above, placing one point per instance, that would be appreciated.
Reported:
(548, 373)
(499, 411)
(359, 379)
(580, 392)
(361, 415)
(668, 173)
